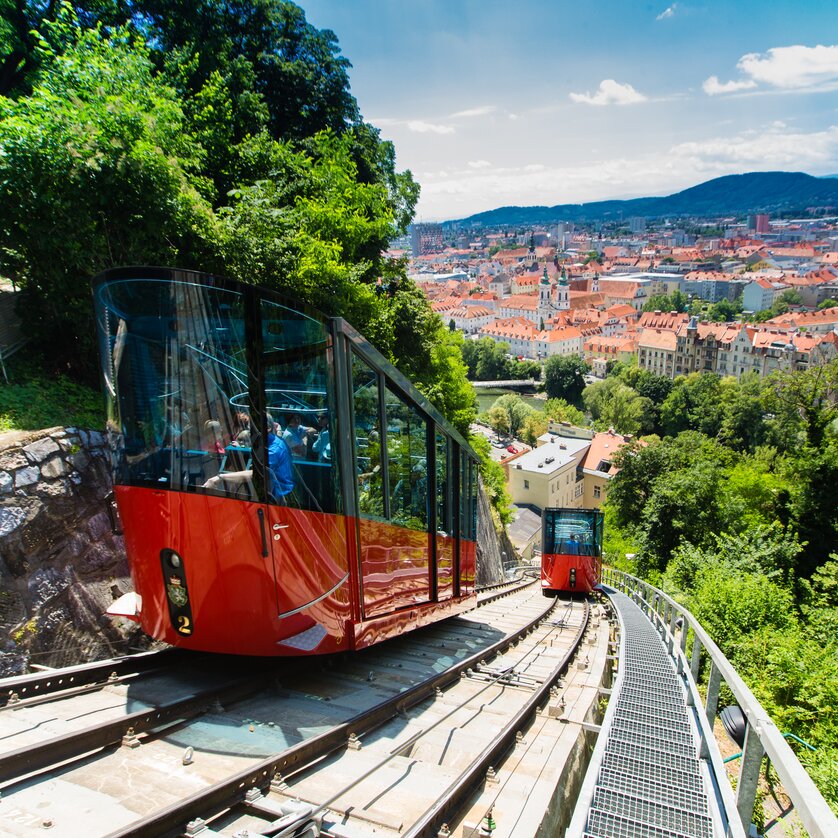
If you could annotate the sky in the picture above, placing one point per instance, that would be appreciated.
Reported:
(540, 102)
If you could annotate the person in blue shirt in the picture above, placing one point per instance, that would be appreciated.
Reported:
(280, 478)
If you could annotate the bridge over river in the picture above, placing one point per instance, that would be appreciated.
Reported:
(520, 385)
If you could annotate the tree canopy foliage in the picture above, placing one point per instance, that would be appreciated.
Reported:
(564, 377)
(489, 360)
(217, 136)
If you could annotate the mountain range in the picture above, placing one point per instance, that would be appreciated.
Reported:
(770, 192)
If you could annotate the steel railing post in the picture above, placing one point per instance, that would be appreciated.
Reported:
(711, 705)
(695, 658)
(746, 787)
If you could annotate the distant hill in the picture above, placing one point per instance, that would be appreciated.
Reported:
(729, 195)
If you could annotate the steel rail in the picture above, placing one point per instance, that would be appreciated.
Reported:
(454, 798)
(40, 755)
(17, 690)
(171, 821)
(21, 687)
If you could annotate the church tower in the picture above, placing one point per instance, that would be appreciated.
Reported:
(545, 306)
(563, 293)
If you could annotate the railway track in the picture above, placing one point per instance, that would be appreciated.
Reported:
(204, 749)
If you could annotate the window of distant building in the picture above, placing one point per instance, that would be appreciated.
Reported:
(597, 491)
(526, 484)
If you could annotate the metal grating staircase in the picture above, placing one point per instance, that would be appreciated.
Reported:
(650, 782)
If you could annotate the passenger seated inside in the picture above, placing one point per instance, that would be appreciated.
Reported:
(319, 446)
(295, 434)
(241, 430)
(280, 477)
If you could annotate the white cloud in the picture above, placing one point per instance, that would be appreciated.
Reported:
(792, 67)
(772, 148)
(668, 12)
(783, 68)
(712, 87)
(455, 194)
(422, 127)
(610, 93)
(483, 110)
(479, 164)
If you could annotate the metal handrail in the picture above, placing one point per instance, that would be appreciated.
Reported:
(762, 737)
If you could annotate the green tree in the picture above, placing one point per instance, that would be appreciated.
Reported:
(827, 303)
(811, 395)
(498, 419)
(96, 170)
(725, 311)
(516, 409)
(564, 377)
(558, 410)
(612, 403)
(693, 404)
(676, 301)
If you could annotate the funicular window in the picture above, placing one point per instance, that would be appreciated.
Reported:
(572, 532)
(301, 471)
(443, 489)
(367, 423)
(407, 463)
(173, 355)
(465, 497)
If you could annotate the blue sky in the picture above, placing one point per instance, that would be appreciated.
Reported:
(494, 102)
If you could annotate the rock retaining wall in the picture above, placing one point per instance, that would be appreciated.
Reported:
(60, 564)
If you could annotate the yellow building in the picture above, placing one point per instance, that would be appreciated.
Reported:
(570, 467)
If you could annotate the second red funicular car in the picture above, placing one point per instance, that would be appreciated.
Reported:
(571, 550)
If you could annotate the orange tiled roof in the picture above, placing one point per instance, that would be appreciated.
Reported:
(657, 339)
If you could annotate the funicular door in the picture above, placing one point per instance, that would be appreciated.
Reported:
(391, 467)
(306, 538)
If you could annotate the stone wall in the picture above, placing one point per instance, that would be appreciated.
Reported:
(490, 546)
(60, 564)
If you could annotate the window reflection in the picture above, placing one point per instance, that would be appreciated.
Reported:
(174, 361)
(176, 373)
(369, 478)
(443, 500)
(407, 459)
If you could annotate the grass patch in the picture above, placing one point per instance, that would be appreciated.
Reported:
(35, 399)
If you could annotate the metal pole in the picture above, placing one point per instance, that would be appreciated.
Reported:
(713, 686)
(746, 787)
(695, 658)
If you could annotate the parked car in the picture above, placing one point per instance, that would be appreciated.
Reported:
(511, 449)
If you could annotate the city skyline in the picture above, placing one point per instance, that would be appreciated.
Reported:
(548, 103)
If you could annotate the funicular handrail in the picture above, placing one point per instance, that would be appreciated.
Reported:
(762, 736)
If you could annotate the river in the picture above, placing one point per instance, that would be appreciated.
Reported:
(486, 398)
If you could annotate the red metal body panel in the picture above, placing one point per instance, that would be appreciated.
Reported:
(372, 631)
(468, 566)
(304, 597)
(236, 594)
(556, 567)
(394, 565)
(445, 547)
